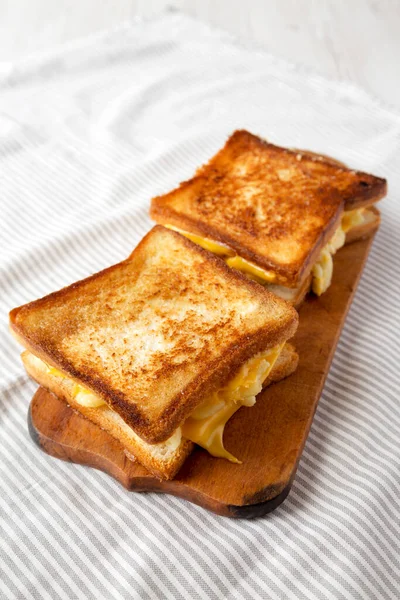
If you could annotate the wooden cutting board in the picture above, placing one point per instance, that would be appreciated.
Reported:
(268, 437)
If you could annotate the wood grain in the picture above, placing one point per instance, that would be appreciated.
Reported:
(268, 437)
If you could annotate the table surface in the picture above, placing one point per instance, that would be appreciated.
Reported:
(356, 40)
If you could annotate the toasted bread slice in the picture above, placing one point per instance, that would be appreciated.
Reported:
(163, 460)
(272, 206)
(157, 333)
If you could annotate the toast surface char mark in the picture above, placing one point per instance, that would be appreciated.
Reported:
(222, 320)
(253, 196)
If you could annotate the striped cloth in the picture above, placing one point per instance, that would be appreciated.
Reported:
(88, 134)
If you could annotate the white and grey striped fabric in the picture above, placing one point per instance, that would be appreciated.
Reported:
(88, 134)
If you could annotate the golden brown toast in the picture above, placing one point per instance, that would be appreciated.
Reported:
(272, 206)
(163, 460)
(157, 333)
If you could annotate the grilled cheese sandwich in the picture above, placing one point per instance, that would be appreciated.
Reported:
(144, 349)
(205, 426)
(268, 212)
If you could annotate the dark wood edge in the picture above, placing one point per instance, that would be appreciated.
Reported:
(33, 432)
(252, 511)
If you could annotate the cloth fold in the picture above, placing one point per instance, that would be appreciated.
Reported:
(88, 134)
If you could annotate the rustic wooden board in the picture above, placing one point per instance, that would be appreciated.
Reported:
(268, 437)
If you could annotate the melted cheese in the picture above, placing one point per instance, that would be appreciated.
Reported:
(206, 424)
(322, 272)
(250, 269)
(55, 372)
(85, 397)
(323, 269)
(352, 218)
(206, 243)
(82, 395)
(235, 261)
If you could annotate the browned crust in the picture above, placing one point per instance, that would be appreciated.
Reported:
(210, 375)
(163, 469)
(207, 198)
(375, 188)
(366, 229)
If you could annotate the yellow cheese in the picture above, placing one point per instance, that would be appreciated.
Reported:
(250, 269)
(352, 218)
(81, 394)
(55, 372)
(235, 261)
(85, 397)
(206, 424)
(322, 272)
(337, 240)
(206, 243)
(323, 269)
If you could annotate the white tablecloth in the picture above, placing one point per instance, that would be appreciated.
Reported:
(88, 134)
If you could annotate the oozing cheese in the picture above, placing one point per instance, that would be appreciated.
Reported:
(321, 271)
(206, 424)
(234, 261)
(82, 395)
(206, 243)
(85, 397)
(54, 371)
(353, 218)
(250, 269)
